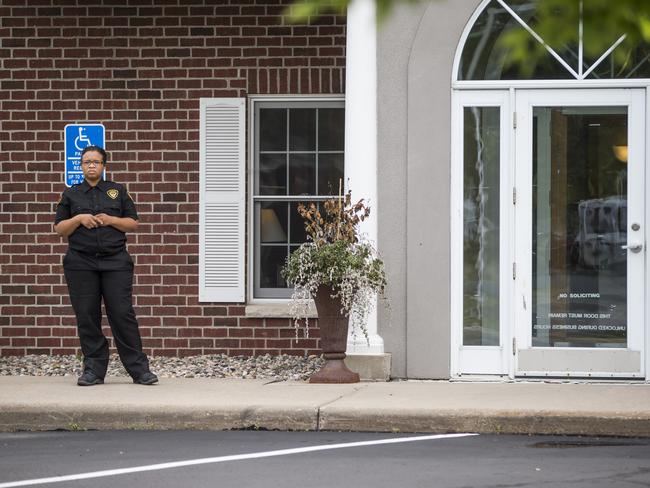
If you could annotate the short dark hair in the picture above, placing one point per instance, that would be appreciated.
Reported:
(100, 150)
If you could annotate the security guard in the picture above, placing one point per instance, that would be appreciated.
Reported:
(94, 216)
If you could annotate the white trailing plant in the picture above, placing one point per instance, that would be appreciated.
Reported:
(335, 254)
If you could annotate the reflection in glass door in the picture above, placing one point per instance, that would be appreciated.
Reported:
(580, 169)
(579, 227)
(481, 168)
(480, 283)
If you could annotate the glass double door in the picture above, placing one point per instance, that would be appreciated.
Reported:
(553, 264)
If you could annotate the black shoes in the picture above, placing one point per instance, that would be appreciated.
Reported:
(88, 378)
(147, 378)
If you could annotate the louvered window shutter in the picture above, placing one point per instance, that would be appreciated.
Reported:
(222, 200)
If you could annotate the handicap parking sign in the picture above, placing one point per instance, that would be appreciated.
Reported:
(77, 137)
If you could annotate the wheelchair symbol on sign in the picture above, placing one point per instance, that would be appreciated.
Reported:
(82, 138)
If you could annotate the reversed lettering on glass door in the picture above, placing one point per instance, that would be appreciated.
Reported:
(580, 197)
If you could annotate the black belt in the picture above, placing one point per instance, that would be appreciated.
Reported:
(99, 254)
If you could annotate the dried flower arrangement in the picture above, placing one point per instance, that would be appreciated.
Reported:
(337, 255)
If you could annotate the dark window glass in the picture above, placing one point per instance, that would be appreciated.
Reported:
(273, 174)
(485, 58)
(330, 173)
(623, 62)
(273, 129)
(298, 234)
(302, 174)
(299, 152)
(331, 129)
(272, 260)
(302, 129)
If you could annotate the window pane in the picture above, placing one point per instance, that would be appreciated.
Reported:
(297, 225)
(299, 149)
(302, 174)
(330, 172)
(273, 129)
(484, 59)
(272, 174)
(331, 129)
(273, 222)
(302, 129)
(579, 227)
(623, 62)
(481, 226)
(272, 260)
(628, 60)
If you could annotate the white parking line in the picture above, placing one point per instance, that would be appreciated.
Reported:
(221, 459)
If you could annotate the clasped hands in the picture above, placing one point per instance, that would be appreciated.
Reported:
(90, 221)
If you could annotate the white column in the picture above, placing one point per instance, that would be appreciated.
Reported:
(361, 135)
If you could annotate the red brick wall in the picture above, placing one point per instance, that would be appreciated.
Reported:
(140, 70)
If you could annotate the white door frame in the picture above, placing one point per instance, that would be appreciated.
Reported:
(580, 362)
(502, 360)
(481, 360)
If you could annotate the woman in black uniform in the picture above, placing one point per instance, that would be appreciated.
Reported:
(95, 216)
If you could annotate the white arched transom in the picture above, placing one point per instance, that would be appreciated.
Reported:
(483, 56)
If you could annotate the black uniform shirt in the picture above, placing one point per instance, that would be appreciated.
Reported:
(106, 197)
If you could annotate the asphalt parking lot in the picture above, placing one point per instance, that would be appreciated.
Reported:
(317, 459)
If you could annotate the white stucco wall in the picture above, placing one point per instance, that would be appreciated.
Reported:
(415, 53)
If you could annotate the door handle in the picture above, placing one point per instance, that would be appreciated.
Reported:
(635, 247)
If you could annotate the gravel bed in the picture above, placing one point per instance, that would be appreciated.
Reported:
(283, 367)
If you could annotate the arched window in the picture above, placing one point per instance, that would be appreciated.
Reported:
(486, 57)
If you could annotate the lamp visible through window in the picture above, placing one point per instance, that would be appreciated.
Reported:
(620, 152)
(271, 228)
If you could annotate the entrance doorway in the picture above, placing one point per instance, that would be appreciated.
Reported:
(549, 233)
(580, 232)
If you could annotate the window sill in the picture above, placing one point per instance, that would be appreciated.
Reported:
(275, 310)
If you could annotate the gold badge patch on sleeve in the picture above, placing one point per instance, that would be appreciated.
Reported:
(113, 193)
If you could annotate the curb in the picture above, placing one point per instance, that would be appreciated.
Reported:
(21, 419)
(517, 423)
(262, 418)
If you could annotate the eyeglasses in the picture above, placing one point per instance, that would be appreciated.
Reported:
(92, 163)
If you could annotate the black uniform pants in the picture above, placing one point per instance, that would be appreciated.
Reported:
(91, 278)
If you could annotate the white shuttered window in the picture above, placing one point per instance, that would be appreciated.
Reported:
(222, 200)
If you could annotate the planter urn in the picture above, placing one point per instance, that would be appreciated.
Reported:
(333, 327)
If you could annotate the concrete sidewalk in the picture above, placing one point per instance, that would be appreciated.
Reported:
(44, 403)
